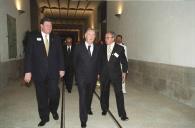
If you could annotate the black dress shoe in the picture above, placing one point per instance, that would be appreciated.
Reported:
(104, 113)
(42, 122)
(90, 112)
(55, 116)
(124, 118)
(83, 125)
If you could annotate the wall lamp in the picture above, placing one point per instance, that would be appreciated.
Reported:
(21, 12)
(118, 15)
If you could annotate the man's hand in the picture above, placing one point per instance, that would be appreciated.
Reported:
(61, 73)
(27, 77)
(123, 77)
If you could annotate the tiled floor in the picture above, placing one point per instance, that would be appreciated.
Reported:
(145, 108)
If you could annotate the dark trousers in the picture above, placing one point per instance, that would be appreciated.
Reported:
(86, 90)
(68, 78)
(105, 92)
(48, 95)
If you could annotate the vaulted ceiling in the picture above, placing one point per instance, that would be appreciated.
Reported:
(70, 16)
(67, 8)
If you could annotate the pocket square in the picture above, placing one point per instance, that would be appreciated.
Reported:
(116, 55)
(39, 39)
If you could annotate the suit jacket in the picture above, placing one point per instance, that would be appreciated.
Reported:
(68, 57)
(36, 60)
(86, 66)
(112, 69)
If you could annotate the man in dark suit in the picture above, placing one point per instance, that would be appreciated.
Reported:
(86, 59)
(113, 56)
(44, 64)
(68, 49)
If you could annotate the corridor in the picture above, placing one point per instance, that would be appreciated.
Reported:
(158, 38)
(145, 108)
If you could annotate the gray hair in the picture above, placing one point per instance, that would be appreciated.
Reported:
(111, 33)
(89, 29)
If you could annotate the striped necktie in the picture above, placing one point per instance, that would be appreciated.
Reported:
(109, 51)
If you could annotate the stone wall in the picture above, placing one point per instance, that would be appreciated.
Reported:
(176, 82)
(11, 70)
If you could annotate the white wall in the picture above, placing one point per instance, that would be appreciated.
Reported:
(158, 31)
(22, 25)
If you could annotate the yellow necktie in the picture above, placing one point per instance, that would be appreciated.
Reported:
(46, 44)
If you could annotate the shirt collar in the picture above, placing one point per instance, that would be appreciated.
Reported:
(68, 46)
(43, 34)
(87, 44)
(112, 45)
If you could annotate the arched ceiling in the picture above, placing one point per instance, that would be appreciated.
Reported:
(67, 8)
(69, 16)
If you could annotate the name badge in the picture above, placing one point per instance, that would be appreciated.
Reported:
(39, 39)
(116, 55)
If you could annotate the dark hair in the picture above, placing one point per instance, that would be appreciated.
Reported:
(68, 38)
(119, 36)
(44, 19)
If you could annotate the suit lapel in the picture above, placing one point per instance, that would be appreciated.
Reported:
(105, 53)
(113, 51)
(94, 50)
(50, 43)
(42, 43)
(66, 49)
(85, 50)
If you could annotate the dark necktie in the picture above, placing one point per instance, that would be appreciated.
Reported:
(89, 50)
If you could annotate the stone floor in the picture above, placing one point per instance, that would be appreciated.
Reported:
(145, 109)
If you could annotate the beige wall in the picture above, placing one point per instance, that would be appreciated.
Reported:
(22, 25)
(162, 32)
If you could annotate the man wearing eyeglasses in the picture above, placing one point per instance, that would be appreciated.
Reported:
(113, 56)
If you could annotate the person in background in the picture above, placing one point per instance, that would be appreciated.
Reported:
(120, 42)
(68, 49)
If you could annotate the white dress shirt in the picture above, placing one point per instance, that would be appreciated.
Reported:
(109, 50)
(43, 35)
(91, 48)
(68, 46)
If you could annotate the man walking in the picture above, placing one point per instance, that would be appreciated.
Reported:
(44, 64)
(112, 59)
(68, 61)
(86, 59)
